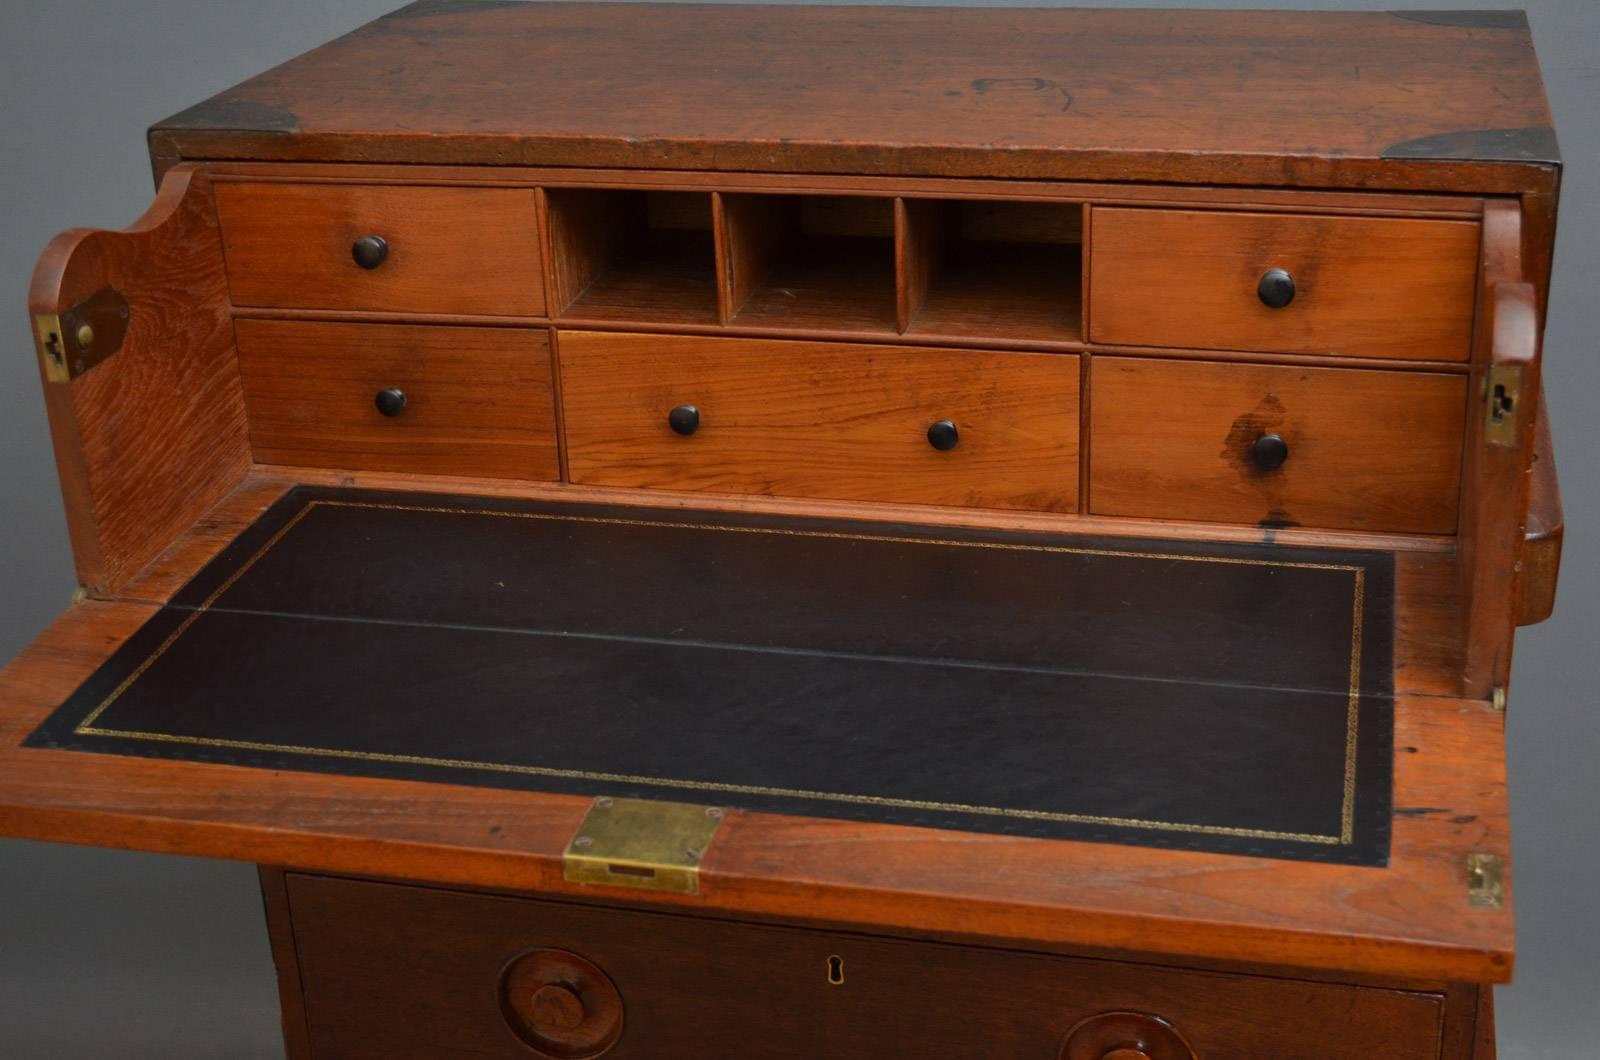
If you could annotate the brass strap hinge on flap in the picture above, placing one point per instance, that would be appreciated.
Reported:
(75, 340)
(641, 843)
(1486, 888)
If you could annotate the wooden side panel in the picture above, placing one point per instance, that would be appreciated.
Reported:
(1367, 450)
(1498, 478)
(391, 970)
(149, 439)
(1364, 287)
(450, 250)
(477, 401)
(822, 419)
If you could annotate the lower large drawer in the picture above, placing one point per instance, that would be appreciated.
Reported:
(816, 419)
(390, 970)
(1331, 448)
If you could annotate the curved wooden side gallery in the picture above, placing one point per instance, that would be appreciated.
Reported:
(1100, 430)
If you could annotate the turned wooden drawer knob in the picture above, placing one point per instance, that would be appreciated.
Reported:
(370, 251)
(560, 1004)
(390, 401)
(685, 419)
(944, 436)
(1276, 288)
(1269, 452)
(1125, 1036)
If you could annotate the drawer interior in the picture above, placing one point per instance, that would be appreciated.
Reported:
(1155, 693)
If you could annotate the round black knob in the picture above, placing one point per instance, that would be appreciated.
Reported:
(1269, 452)
(1276, 289)
(685, 419)
(391, 402)
(943, 436)
(370, 251)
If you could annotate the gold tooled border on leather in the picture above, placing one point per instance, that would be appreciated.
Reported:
(1345, 836)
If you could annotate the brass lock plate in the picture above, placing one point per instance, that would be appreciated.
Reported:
(75, 340)
(643, 844)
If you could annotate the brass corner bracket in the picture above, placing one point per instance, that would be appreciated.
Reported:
(643, 844)
(75, 340)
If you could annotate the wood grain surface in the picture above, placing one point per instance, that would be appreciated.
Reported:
(149, 439)
(451, 250)
(1364, 287)
(822, 420)
(1323, 99)
(1367, 450)
(478, 401)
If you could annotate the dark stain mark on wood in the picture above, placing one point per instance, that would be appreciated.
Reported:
(1419, 811)
(1464, 819)
(1468, 19)
(1265, 418)
(1278, 519)
(429, 8)
(246, 114)
(984, 86)
(1532, 144)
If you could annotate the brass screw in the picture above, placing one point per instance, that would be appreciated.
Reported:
(85, 336)
(714, 812)
(583, 841)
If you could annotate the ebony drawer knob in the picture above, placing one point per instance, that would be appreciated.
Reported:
(685, 419)
(943, 436)
(1276, 288)
(1269, 452)
(391, 402)
(370, 251)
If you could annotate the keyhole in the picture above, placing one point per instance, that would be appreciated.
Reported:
(1500, 403)
(836, 971)
(52, 348)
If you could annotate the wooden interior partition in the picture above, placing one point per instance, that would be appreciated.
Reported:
(145, 406)
(1499, 461)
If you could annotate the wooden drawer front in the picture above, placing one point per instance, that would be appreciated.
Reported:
(1363, 286)
(448, 250)
(1367, 450)
(820, 419)
(392, 970)
(478, 401)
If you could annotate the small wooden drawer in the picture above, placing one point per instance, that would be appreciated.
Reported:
(454, 401)
(1355, 449)
(442, 250)
(392, 970)
(1356, 286)
(814, 419)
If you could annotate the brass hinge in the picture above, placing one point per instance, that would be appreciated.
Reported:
(1497, 699)
(77, 339)
(1486, 888)
(1502, 390)
(641, 843)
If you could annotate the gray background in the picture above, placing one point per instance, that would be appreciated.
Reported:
(106, 954)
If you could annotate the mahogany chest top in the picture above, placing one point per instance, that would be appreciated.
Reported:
(1348, 99)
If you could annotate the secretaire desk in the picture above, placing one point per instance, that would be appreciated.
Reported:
(821, 532)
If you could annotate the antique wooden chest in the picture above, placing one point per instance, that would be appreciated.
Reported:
(821, 531)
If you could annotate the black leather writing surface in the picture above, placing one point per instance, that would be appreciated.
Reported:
(1231, 698)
